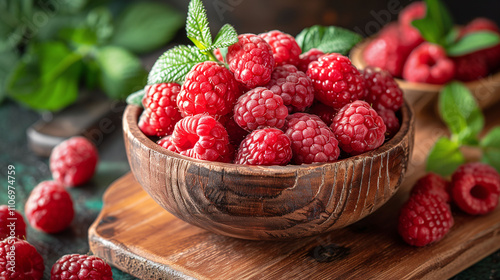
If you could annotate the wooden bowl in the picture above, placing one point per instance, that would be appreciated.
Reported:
(485, 90)
(273, 202)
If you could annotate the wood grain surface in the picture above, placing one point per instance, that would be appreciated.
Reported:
(135, 234)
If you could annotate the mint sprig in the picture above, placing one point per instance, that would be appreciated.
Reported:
(473, 42)
(197, 25)
(328, 39)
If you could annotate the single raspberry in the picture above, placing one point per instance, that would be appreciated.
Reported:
(358, 128)
(81, 267)
(11, 223)
(49, 207)
(208, 88)
(480, 24)
(160, 109)
(294, 86)
(428, 63)
(490, 55)
(336, 81)
(409, 34)
(324, 112)
(387, 51)
(166, 142)
(424, 218)
(312, 140)
(391, 122)
(434, 184)
(251, 60)
(218, 55)
(234, 131)
(267, 146)
(383, 92)
(201, 137)
(476, 188)
(308, 57)
(470, 67)
(73, 161)
(19, 260)
(258, 108)
(285, 48)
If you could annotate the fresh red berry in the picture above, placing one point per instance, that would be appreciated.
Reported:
(476, 188)
(480, 24)
(294, 86)
(49, 207)
(409, 34)
(358, 128)
(73, 161)
(312, 140)
(201, 137)
(470, 67)
(424, 219)
(267, 146)
(160, 109)
(234, 131)
(208, 88)
(258, 108)
(11, 223)
(285, 48)
(81, 267)
(434, 184)
(428, 63)
(218, 55)
(308, 57)
(251, 60)
(489, 55)
(383, 92)
(391, 122)
(324, 112)
(336, 81)
(19, 260)
(166, 142)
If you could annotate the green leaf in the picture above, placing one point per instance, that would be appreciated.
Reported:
(436, 24)
(100, 21)
(491, 148)
(197, 25)
(226, 37)
(174, 64)
(121, 72)
(7, 60)
(444, 157)
(136, 98)
(145, 26)
(460, 112)
(329, 39)
(473, 42)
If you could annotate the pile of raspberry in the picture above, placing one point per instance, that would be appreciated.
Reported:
(427, 215)
(400, 49)
(271, 104)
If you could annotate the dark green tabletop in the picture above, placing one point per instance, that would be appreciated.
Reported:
(31, 169)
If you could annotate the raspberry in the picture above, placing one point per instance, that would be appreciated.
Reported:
(434, 184)
(428, 64)
(11, 223)
(294, 86)
(480, 24)
(285, 48)
(382, 90)
(470, 67)
(166, 142)
(308, 57)
(324, 112)
(234, 131)
(208, 88)
(201, 137)
(28, 263)
(336, 81)
(358, 128)
(409, 34)
(476, 188)
(391, 122)
(73, 162)
(267, 146)
(251, 60)
(81, 267)
(490, 55)
(424, 218)
(49, 207)
(218, 55)
(312, 140)
(160, 109)
(260, 107)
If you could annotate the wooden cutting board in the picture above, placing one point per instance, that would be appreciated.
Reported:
(136, 235)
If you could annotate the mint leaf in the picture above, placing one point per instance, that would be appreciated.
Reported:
(146, 26)
(197, 25)
(136, 98)
(121, 72)
(460, 112)
(473, 42)
(328, 39)
(226, 37)
(174, 64)
(491, 148)
(444, 157)
(7, 60)
(437, 23)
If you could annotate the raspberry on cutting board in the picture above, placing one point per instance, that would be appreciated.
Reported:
(11, 221)
(80, 267)
(28, 263)
(267, 146)
(285, 48)
(435, 184)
